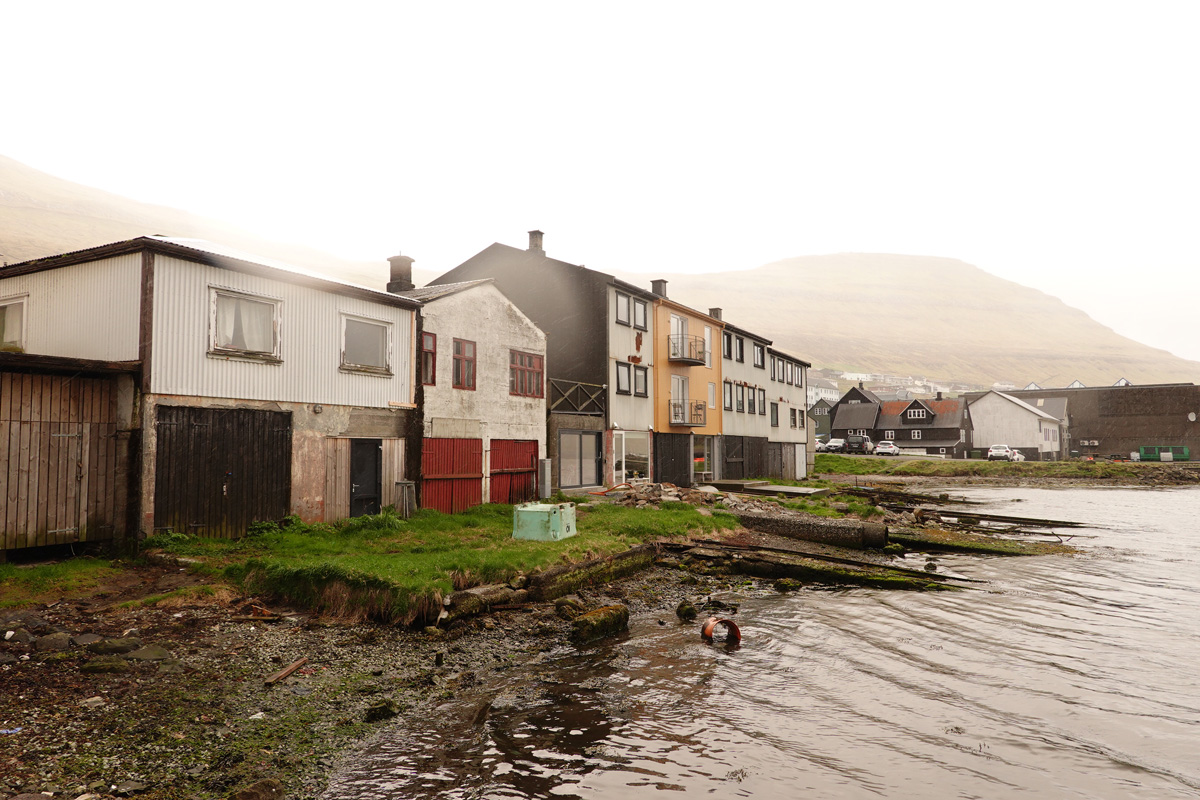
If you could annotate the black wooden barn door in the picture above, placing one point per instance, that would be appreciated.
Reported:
(673, 458)
(220, 469)
(733, 464)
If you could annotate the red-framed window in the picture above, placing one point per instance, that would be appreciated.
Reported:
(525, 374)
(429, 359)
(464, 364)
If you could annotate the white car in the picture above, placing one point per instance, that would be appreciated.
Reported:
(1017, 455)
(886, 449)
(1000, 452)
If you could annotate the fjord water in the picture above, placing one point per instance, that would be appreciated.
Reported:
(1060, 677)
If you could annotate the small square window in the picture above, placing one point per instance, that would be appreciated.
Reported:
(365, 345)
(641, 381)
(622, 308)
(623, 377)
(464, 365)
(639, 314)
(916, 434)
(244, 325)
(12, 326)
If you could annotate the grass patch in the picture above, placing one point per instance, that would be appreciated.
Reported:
(949, 468)
(22, 585)
(395, 570)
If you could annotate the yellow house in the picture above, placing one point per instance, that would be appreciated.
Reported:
(687, 380)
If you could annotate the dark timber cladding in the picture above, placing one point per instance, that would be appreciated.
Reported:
(221, 469)
(673, 458)
(62, 464)
(744, 457)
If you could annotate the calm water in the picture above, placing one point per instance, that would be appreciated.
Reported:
(1065, 677)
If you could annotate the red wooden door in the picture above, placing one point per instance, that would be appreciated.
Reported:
(513, 471)
(451, 474)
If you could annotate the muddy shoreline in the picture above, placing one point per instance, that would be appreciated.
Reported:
(196, 719)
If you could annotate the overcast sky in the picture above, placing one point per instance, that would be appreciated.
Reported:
(1053, 144)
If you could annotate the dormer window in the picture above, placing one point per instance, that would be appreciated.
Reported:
(917, 413)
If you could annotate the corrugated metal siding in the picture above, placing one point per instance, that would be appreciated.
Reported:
(310, 342)
(82, 311)
(451, 474)
(513, 471)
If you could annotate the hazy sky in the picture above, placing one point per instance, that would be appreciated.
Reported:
(1054, 144)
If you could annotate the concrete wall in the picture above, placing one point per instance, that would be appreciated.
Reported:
(484, 315)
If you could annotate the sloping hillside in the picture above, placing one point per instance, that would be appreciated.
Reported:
(41, 215)
(916, 315)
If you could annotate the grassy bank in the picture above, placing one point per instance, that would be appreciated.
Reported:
(396, 570)
(828, 463)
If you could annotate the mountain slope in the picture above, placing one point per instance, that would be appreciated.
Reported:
(41, 215)
(917, 315)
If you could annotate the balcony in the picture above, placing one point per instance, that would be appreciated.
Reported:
(688, 412)
(685, 349)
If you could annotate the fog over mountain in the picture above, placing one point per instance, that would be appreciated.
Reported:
(896, 314)
(923, 316)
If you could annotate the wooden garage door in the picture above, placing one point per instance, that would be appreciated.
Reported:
(513, 471)
(451, 474)
(673, 458)
(220, 469)
(62, 468)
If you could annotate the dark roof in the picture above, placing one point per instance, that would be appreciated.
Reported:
(427, 294)
(856, 415)
(797, 359)
(213, 255)
(744, 332)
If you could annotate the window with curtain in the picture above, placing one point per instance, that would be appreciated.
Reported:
(464, 364)
(245, 324)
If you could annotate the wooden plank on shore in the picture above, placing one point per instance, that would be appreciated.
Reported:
(288, 670)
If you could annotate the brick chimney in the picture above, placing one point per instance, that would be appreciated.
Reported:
(401, 274)
(659, 287)
(535, 242)
(715, 313)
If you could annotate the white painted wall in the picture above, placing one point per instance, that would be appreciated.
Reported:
(85, 310)
(625, 344)
(484, 315)
(735, 423)
(310, 342)
(1000, 421)
(791, 396)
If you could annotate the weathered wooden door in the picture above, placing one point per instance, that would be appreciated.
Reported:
(220, 469)
(62, 467)
(673, 458)
(513, 471)
(754, 449)
(451, 474)
(733, 466)
(775, 459)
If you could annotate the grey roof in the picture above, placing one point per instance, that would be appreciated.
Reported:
(856, 415)
(426, 294)
(1035, 411)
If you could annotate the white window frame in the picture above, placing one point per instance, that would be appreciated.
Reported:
(889, 435)
(916, 434)
(370, 369)
(16, 301)
(214, 349)
(712, 395)
(917, 413)
(708, 345)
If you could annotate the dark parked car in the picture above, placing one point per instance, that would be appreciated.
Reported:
(859, 444)
(835, 445)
